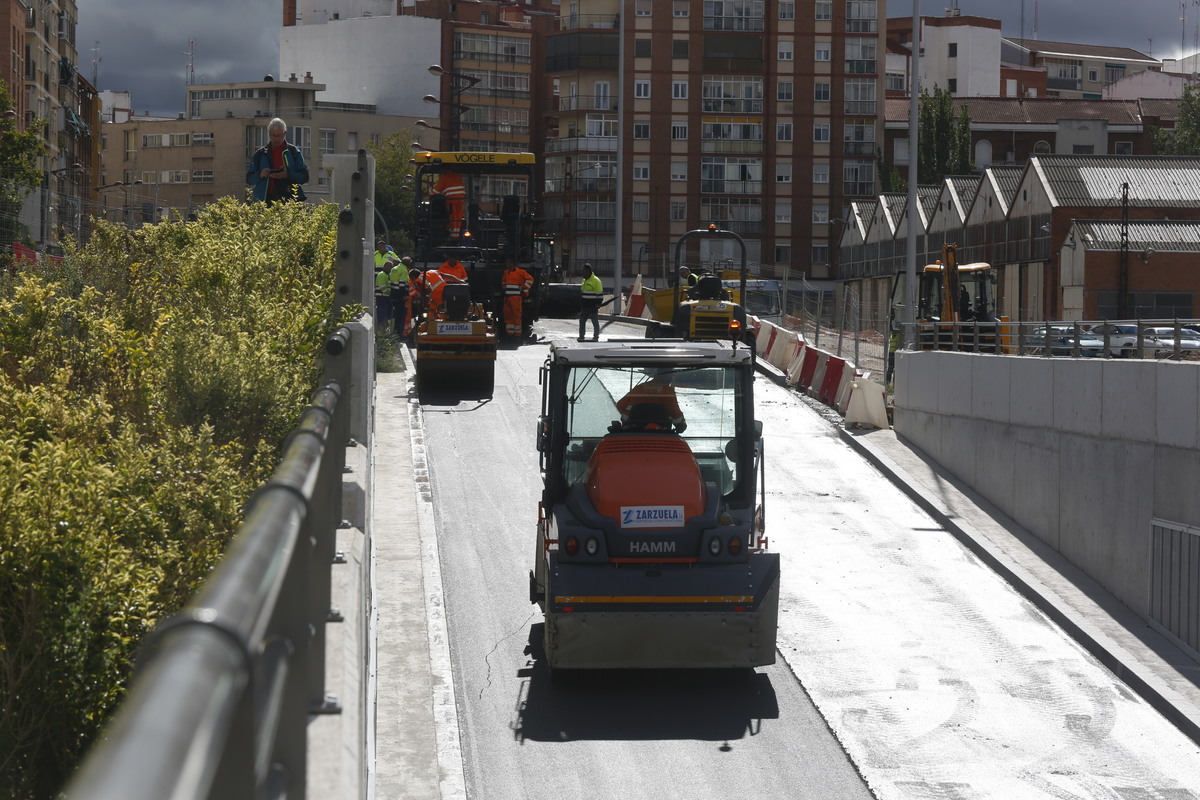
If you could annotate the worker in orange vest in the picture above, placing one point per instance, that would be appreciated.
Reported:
(657, 391)
(451, 187)
(517, 284)
(452, 271)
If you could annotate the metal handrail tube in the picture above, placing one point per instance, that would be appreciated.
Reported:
(168, 736)
(190, 727)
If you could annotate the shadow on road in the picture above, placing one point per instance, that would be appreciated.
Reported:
(641, 704)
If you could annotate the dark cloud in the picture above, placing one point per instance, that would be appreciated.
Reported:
(1148, 26)
(143, 44)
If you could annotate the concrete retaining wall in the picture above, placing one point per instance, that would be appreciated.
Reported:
(1081, 452)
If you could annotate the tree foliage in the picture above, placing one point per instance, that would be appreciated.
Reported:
(19, 154)
(1184, 138)
(943, 138)
(146, 383)
(393, 187)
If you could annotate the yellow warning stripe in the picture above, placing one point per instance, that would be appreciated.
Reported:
(600, 598)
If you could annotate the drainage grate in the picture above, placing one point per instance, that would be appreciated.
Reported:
(1175, 580)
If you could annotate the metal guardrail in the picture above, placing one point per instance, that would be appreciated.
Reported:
(1071, 338)
(220, 703)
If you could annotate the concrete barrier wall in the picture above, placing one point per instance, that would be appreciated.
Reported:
(1081, 452)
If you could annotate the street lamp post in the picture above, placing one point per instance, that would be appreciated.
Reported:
(459, 83)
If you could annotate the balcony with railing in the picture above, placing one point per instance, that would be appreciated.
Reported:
(1069, 84)
(729, 186)
(732, 105)
(574, 22)
(734, 23)
(858, 188)
(743, 227)
(732, 146)
(858, 148)
(862, 66)
(587, 102)
(862, 26)
(859, 108)
(581, 144)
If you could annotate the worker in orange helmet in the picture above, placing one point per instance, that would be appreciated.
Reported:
(451, 271)
(451, 187)
(658, 392)
(517, 285)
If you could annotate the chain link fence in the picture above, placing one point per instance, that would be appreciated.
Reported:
(840, 322)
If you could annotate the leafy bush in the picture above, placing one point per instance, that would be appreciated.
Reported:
(145, 386)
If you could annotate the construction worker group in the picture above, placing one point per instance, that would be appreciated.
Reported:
(404, 292)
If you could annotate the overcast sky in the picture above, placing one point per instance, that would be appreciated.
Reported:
(143, 43)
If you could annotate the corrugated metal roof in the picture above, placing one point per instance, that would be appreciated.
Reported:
(1041, 111)
(1046, 48)
(964, 188)
(1160, 235)
(1005, 179)
(927, 198)
(895, 203)
(1154, 181)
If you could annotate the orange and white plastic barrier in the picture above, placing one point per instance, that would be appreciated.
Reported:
(867, 405)
(830, 380)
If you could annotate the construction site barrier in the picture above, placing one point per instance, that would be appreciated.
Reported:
(796, 365)
(831, 380)
(867, 405)
(811, 357)
(762, 340)
(782, 349)
(842, 397)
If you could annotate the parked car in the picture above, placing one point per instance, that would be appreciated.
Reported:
(1062, 342)
(1122, 337)
(1160, 342)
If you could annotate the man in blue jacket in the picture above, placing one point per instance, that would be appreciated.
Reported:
(277, 170)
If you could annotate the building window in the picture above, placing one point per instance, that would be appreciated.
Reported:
(643, 8)
(641, 88)
(328, 141)
(783, 91)
(152, 140)
(787, 10)
(783, 173)
(783, 213)
(641, 48)
(679, 48)
(641, 209)
(202, 139)
(820, 131)
(679, 131)
(785, 51)
(820, 254)
(202, 176)
(679, 170)
(181, 139)
(641, 171)
(1112, 73)
(679, 90)
(952, 85)
(783, 254)
(820, 173)
(820, 214)
(783, 131)
(681, 8)
(824, 10)
(952, 50)
(894, 82)
(1093, 75)
(641, 130)
(821, 92)
(822, 51)
(678, 211)
(1123, 148)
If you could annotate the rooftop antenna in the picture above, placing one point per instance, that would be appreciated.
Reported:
(1035, 19)
(190, 76)
(96, 65)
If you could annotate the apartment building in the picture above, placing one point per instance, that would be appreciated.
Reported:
(154, 169)
(44, 81)
(761, 116)
(1074, 70)
(959, 54)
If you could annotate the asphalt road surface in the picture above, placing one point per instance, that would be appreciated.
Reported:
(906, 669)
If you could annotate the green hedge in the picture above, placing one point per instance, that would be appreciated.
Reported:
(146, 383)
